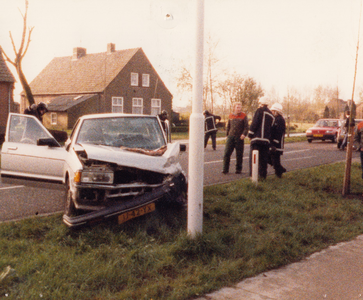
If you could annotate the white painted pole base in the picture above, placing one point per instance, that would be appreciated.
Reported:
(254, 166)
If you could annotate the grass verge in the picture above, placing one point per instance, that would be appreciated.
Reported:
(247, 230)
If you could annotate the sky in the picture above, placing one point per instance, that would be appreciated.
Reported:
(282, 44)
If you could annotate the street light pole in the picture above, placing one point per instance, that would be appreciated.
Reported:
(196, 133)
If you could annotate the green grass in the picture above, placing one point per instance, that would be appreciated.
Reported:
(247, 229)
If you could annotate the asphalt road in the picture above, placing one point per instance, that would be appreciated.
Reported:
(19, 201)
(296, 156)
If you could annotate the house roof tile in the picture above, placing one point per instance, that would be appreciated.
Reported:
(63, 103)
(5, 74)
(88, 74)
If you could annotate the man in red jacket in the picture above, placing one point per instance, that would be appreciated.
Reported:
(237, 128)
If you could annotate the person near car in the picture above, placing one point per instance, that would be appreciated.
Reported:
(358, 138)
(277, 139)
(260, 135)
(348, 121)
(37, 110)
(210, 122)
(163, 117)
(237, 129)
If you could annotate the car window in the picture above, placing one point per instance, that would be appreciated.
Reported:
(130, 132)
(327, 123)
(26, 129)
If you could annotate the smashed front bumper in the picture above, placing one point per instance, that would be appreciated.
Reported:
(173, 190)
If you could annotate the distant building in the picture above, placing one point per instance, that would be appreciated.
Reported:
(7, 104)
(113, 81)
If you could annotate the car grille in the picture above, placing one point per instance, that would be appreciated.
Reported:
(135, 175)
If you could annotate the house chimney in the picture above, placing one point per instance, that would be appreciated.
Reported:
(78, 53)
(110, 48)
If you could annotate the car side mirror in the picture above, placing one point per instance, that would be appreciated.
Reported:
(183, 147)
(50, 142)
(60, 136)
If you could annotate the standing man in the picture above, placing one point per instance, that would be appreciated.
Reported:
(210, 128)
(237, 128)
(346, 129)
(358, 138)
(260, 135)
(277, 139)
(165, 124)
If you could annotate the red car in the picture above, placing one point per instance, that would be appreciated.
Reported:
(324, 129)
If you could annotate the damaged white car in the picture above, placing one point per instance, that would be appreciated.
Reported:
(112, 165)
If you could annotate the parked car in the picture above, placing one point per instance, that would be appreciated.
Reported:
(341, 131)
(324, 129)
(114, 166)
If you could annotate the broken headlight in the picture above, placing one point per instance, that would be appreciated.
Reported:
(94, 176)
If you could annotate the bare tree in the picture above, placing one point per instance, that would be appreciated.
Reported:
(249, 93)
(211, 61)
(211, 73)
(228, 89)
(20, 53)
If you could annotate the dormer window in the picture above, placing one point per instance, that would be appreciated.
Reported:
(145, 80)
(134, 79)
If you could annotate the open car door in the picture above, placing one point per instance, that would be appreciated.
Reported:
(30, 151)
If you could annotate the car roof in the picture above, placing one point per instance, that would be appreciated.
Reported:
(114, 115)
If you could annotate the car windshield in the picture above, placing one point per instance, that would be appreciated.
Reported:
(327, 123)
(130, 132)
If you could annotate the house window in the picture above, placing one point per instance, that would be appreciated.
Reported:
(137, 105)
(145, 80)
(53, 118)
(155, 106)
(134, 79)
(117, 104)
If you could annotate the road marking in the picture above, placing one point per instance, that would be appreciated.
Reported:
(12, 187)
(295, 151)
(297, 158)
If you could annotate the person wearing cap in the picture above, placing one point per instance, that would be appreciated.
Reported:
(37, 110)
(237, 128)
(277, 139)
(210, 128)
(260, 135)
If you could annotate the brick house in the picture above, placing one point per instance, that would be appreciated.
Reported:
(7, 104)
(113, 81)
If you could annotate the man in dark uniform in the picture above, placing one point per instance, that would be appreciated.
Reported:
(277, 139)
(165, 123)
(358, 138)
(346, 129)
(37, 110)
(210, 128)
(260, 135)
(237, 128)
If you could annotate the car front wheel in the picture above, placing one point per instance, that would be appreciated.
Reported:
(69, 207)
(310, 140)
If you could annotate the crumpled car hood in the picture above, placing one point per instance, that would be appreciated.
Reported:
(165, 164)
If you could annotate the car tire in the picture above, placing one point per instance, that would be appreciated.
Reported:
(334, 139)
(339, 144)
(310, 140)
(69, 207)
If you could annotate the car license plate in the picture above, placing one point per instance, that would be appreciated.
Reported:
(317, 135)
(136, 213)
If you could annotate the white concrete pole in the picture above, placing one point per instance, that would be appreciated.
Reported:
(255, 166)
(196, 133)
